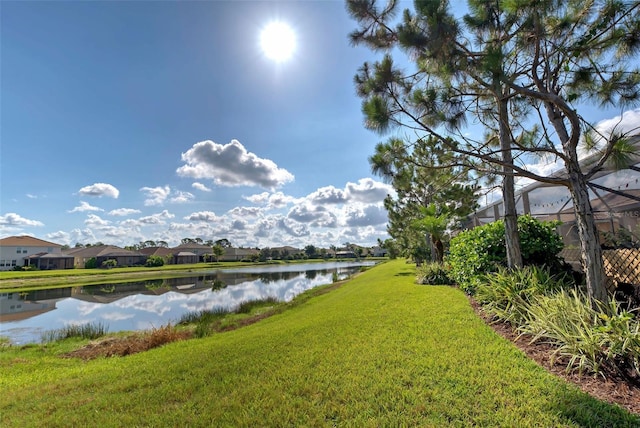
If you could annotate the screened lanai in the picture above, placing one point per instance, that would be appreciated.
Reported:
(614, 195)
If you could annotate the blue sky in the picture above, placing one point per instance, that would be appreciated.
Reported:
(128, 121)
(131, 121)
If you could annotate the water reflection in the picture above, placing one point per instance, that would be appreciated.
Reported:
(152, 303)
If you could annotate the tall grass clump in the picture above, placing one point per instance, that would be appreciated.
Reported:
(82, 331)
(601, 338)
(433, 274)
(509, 294)
(247, 306)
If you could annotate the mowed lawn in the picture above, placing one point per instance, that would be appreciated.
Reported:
(378, 352)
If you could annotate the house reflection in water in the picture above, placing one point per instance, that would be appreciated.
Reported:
(20, 306)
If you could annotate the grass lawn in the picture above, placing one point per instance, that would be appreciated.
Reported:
(379, 351)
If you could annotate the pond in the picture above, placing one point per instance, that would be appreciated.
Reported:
(143, 305)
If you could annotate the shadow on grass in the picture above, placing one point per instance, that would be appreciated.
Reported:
(587, 411)
(406, 273)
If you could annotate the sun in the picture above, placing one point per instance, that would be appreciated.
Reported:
(278, 41)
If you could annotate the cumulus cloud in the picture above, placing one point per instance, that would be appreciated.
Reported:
(100, 190)
(328, 195)
(13, 219)
(206, 216)
(201, 187)
(231, 165)
(95, 221)
(158, 218)
(84, 206)
(239, 225)
(180, 197)
(271, 200)
(293, 228)
(122, 212)
(368, 190)
(316, 216)
(156, 195)
(245, 211)
(627, 123)
(368, 215)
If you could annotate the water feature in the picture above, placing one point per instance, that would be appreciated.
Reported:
(143, 305)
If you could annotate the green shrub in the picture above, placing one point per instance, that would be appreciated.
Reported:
(482, 249)
(604, 339)
(508, 294)
(154, 261)
(433, 274)
(92, 263)
(108, 264)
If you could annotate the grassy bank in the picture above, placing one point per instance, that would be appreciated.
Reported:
(379, 351)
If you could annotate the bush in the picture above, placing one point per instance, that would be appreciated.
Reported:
(108, 264)
(482, 249)
(154, 261)
(603, 339)
(433, 274)
(508, 295)
(92, 263)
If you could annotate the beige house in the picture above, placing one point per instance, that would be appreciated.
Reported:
(15, 250)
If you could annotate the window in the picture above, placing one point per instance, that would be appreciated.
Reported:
(18, 250)
(14, 262)
(24, 251)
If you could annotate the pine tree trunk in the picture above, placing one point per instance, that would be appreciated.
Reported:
(591, 252)
(512, 237)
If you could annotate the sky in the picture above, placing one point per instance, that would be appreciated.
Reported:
(123, 122)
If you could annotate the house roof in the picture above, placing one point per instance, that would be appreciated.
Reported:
(26, 241)
(101, 251)
(192, 245)
(49, 256)
(156, 251)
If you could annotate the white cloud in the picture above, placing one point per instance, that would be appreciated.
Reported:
(368, 190)
(181, 197)
(100, 190)
(231, 165)
(206, 216)
(271, 200)
(328, 195)
(368, 215)
(293, 228)
(158, 218)
(245, 211)
(156, 195)
(84, 206)
(96, 221)
(316, 216)
(13, 219)
(628, 122)
(201, 187)
(30, 196)
(122, 212)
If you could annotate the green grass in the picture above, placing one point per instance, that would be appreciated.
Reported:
(379, 351)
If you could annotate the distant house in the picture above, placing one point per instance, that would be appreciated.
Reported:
(286, 252)
(45, 261)
(379, 252)
(201, 251)
(345, 255)
(14, 250)
(103, 253)
(238, 254)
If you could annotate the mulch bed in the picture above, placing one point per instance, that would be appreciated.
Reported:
(613, 390)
